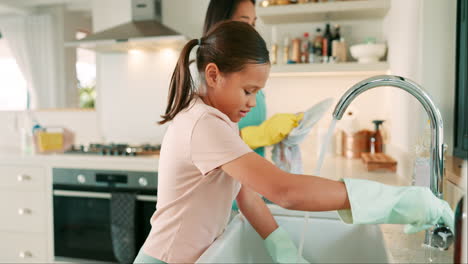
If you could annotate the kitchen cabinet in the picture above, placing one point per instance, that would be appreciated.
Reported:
(22, 248)
(25, 211)
(347, 11)
(26, 199)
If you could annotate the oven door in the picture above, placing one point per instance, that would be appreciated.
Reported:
(82, 224)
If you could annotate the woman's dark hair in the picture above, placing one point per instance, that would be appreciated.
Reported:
(220, 10)
(230, 45)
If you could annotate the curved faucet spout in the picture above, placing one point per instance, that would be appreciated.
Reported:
(437, 126)
(439, 233)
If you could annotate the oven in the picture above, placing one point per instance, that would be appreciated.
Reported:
(82, 214)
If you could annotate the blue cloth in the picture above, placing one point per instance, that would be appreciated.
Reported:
(287, 154)
(256, 117)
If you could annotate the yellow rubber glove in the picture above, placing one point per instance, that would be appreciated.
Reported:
(272, 131)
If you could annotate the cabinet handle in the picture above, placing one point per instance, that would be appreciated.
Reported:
(24, 211)
(23, 177)
(25, 254)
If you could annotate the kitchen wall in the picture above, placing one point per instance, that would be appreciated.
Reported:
(109, 13)
(133, 94)
(422, 36)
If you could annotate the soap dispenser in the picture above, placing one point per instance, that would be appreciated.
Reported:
(376, 140)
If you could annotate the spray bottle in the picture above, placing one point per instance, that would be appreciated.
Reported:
(376, 140)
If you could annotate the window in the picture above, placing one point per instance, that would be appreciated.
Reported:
(86, 74)
(13, 87)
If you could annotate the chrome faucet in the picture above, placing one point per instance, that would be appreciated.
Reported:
(440, 236)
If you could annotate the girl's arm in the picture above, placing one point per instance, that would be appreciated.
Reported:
(257, 213)
(291, 191)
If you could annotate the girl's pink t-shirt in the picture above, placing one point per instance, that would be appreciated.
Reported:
(194, 194)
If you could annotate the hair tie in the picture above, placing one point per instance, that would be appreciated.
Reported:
(199, 42)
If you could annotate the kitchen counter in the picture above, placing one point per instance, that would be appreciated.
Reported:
(138, 163)
(409, 248)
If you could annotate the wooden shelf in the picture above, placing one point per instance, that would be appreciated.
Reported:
(314, 12)
(332, 69)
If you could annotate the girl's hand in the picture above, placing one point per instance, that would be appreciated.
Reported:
(376, 203)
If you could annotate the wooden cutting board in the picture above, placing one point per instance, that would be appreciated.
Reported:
(379, 161)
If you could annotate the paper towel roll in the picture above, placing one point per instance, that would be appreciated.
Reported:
(348, 123)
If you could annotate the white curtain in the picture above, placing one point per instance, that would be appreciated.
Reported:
(33, 42)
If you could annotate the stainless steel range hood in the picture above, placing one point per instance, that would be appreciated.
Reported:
(145, 32)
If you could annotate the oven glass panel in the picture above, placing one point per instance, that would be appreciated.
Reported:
(82, 228)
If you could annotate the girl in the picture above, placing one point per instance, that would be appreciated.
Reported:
(204, 164)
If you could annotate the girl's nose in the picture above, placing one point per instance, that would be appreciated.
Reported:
(252, 102)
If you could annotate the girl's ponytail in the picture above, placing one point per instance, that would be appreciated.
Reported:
(231, 45)
(181, 88)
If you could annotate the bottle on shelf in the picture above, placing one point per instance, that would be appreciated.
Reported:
(274, 47)
(326, 46)
(305, 43)
(339, 50)
(286, 49)
(337, 32)
(317, 44)
(312, 55)
(274, 53)
(296, 50)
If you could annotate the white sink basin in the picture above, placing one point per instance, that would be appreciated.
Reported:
(327, 240)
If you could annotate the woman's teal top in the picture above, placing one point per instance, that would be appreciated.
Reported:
(256, 117)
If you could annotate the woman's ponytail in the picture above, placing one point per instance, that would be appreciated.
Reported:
(181, 88)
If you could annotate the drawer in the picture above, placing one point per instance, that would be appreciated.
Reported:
(23, 248)
(23, 211)
(22, 178)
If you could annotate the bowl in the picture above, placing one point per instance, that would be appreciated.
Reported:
(368, 53)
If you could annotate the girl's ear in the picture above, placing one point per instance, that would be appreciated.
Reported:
(212, 75)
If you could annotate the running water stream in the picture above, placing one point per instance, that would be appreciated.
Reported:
(323, 149)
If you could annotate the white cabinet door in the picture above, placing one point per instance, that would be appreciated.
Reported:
(23, 211)
(22, 178)
(23, 248)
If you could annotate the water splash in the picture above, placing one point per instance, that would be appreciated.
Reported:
(323, 149)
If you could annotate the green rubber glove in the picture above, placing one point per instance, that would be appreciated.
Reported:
(270, 132)
(376, 203)
(281, 248)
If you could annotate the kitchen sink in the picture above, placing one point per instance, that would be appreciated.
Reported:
(327, 240)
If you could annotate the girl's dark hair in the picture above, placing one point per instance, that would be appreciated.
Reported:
(230, 45)
(220, 10)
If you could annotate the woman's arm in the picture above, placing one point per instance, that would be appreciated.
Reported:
(291, 191)
(257, 213)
